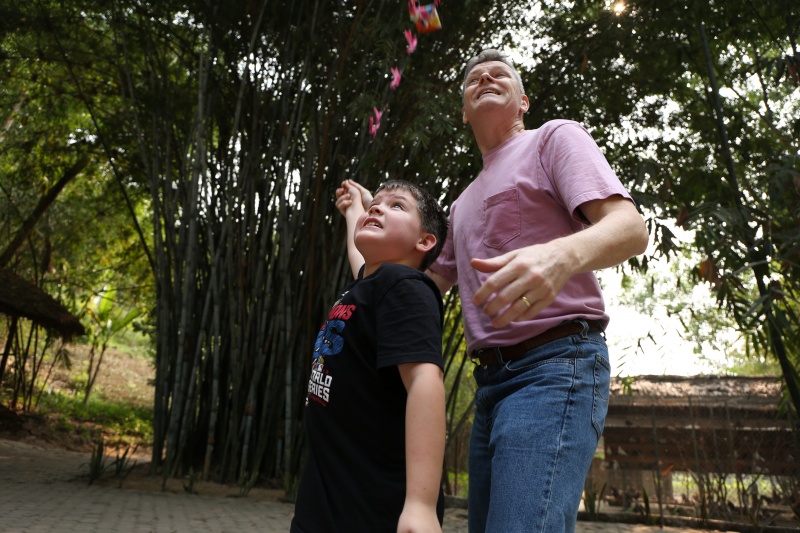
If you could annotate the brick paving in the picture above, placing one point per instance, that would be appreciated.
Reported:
(45, 490)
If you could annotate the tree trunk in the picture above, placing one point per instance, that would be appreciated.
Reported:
(12, 330)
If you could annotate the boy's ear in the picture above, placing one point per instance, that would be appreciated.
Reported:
(426, 242)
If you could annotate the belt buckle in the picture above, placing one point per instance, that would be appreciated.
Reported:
(475, 357)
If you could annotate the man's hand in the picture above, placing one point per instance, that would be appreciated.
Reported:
(523, 282)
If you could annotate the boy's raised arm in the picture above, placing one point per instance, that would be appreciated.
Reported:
(350, 204)
(425, 441)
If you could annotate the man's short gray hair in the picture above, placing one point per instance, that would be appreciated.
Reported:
(490, 54)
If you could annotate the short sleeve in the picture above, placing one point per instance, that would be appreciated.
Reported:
(409, 324)
(577, 168)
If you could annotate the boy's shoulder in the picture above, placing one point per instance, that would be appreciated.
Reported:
(389, 274)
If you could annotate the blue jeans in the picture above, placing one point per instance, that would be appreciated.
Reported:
(536, 427)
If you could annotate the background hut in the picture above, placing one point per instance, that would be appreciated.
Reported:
(20, 298)
(707, 427)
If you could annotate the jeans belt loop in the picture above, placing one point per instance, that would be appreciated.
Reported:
(499, 354)
(585, 330)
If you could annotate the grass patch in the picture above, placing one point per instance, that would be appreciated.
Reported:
(117, 422)
(459, 483)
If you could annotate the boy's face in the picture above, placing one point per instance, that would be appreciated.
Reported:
(390, 231)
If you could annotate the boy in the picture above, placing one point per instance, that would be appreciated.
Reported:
(375, 407)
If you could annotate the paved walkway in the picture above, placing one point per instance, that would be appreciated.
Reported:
(40, 491)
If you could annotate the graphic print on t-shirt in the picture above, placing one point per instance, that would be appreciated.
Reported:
(329, 343)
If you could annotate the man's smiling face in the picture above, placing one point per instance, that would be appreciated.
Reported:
(491, 86)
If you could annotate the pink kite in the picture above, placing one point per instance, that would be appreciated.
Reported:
(374, 125)
(411, 39)
(426, 19)
(396, 76)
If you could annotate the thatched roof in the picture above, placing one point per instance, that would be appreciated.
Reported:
(666, 390)
(22, 298)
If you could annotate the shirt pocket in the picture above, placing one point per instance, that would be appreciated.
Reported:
(501, 219)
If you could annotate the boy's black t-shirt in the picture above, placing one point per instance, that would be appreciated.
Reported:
(355, 414)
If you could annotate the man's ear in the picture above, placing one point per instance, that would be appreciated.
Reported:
(426, 243)
(464, 115)
(524, 105)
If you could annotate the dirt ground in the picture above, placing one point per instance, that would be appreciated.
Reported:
(142, 478)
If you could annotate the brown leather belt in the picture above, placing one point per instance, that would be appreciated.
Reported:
(489, 356)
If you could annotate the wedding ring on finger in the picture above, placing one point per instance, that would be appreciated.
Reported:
(526, 301)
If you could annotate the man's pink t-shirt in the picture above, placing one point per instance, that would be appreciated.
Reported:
(528, 192)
